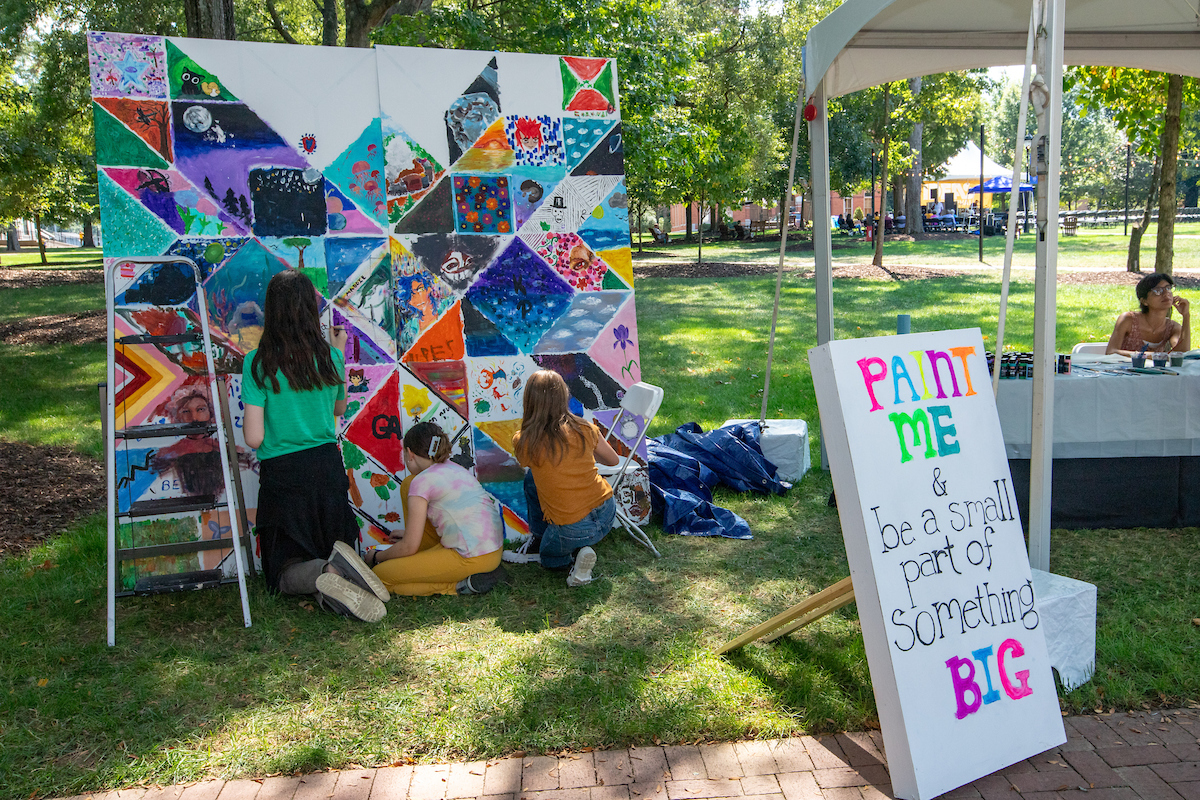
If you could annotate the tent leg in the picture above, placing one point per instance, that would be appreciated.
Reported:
(818, 138)
(1047, 147)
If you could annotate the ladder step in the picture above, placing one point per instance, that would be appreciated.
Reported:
(175, 338)
(171, 505)
(181, 582)
(170, 429)
(177, 548)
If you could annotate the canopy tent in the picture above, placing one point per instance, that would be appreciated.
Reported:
(1001, 184)
(964, 166)
(954, 179)
(864, 43)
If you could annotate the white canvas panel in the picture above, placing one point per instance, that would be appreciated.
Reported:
(529, 85)
(418, 84)
(328, 92)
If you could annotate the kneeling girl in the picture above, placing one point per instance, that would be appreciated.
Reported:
(453, 533)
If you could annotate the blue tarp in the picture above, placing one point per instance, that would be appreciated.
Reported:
(686, 465)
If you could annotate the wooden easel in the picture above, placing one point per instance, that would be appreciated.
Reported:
(831, 598)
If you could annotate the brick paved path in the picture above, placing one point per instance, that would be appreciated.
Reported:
(1152, 756)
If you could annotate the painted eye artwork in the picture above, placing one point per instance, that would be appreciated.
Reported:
(461, 247)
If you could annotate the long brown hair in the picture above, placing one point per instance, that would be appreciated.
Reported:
(291, 341)
(548, 422)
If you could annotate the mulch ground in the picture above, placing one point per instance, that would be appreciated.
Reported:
(45, 489)
(81, 328)
(42, 491)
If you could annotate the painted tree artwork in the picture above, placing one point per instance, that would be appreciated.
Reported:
(463, 215)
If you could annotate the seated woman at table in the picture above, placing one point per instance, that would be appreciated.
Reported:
(1151, 329)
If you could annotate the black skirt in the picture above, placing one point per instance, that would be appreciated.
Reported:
(303, 508)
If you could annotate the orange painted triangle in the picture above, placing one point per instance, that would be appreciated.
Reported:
(441, 341)
(149, 119)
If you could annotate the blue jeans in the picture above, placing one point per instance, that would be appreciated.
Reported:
(559, 542)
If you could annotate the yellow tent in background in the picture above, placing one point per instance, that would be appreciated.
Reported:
(958, 175)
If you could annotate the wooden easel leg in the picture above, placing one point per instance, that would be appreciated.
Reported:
(828, 599)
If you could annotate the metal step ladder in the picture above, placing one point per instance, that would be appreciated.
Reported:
(230, 500)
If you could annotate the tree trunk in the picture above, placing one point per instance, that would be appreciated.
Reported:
(1164, 252)
(700, 247)
(363, 17)
(209, 19)
(883, 181)
(898, 184)
(913, 219)
(329, 23)
(687, 218)
(785, 210)
(37, 223)
(14, 240)
(638, 209)
(1133, 258)
(89, 234)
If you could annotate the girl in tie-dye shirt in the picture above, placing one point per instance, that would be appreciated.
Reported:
(453, 533)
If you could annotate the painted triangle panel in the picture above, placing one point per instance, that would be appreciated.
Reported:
(149, 119)
(470, 115)
(118, 145)
(606, 158)
(521, 295)
(377, 428)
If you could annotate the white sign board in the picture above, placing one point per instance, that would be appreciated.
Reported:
(941, 576)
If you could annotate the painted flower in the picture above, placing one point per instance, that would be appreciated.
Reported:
(623, 339)
(379, 479)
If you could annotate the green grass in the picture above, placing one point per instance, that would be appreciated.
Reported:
(1093, 248)
(189, 693)
(59, 258)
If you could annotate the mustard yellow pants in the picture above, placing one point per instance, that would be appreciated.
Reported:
(433, 569)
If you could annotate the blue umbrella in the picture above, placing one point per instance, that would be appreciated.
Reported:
(1001, 184)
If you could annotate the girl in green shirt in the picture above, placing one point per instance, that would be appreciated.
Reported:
(292, 389)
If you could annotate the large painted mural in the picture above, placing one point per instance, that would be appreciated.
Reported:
(462, 214)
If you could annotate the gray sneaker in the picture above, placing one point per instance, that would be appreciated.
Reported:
(340, 596)
(581, 571)
(355, 570)
(483, 582)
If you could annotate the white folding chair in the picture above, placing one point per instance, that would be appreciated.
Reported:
(638, 408)
(1090, 348)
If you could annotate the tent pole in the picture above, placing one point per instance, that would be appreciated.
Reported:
(1011, 236)
(783, 229)
(1047, 146)
(818, 162)
(981, 157)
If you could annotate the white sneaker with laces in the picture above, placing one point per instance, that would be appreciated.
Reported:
(581, 571)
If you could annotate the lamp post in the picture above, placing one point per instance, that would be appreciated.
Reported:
(1028, 144)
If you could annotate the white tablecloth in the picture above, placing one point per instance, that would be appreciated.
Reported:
(1109, 416)
(1067, 611)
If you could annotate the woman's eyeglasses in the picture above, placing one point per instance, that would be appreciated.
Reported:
(1159, 291)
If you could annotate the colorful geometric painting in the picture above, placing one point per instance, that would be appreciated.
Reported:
(462, 214)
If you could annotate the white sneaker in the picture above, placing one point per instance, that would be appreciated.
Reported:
(347, 599)
(581, 572)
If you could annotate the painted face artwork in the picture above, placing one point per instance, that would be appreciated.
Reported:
(453, 210)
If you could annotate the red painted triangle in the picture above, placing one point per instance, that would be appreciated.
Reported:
(586, 68)
(441, 341)
(376, 428)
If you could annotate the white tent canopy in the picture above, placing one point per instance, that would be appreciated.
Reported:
(964, 166)
(865, 43)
